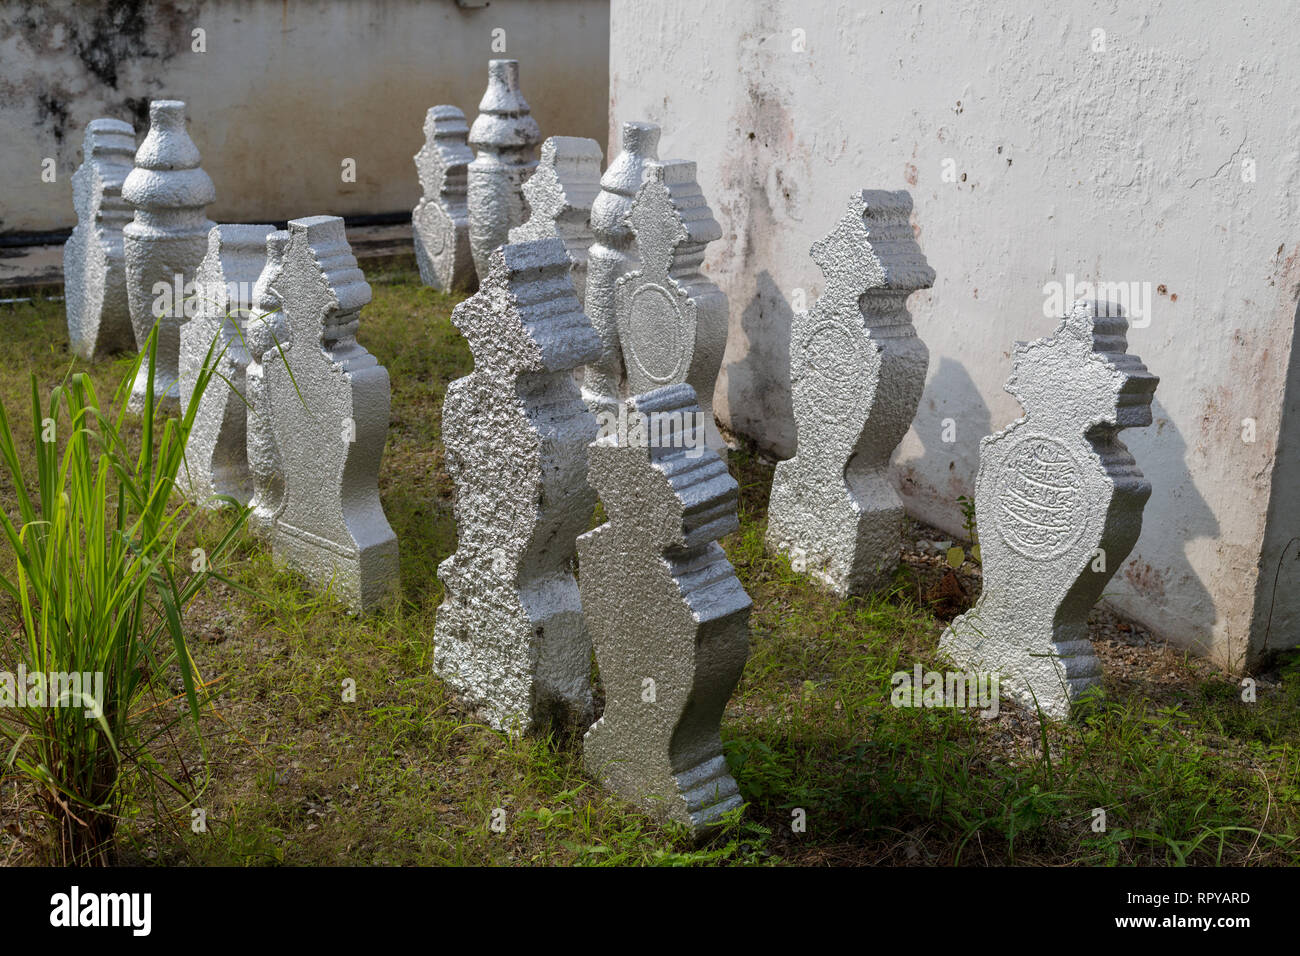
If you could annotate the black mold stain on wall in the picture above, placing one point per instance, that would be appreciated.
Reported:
(138, 107)
(103, 38)
(53, 110)
(115, 34)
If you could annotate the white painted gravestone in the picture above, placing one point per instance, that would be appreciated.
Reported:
(504, 137)
(857, 369)
(440, 221)
(266, 335)
(669, 619)
(94, 262)
(559, 198)
(612, 254)
(165, 242)
(510, 635)
(330, 422)
(672, 321)
(216, 458)
(1058, 502)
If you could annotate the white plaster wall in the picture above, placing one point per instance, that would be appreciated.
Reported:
(285, 91)
(1120, 165)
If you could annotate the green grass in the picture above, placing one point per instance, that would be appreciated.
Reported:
(1187, 773)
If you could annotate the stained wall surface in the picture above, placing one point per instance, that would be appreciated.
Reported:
(1078, 142)
(284, 93)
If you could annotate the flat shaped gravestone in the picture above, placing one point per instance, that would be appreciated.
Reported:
(440, 220)
(330, 423)
(164, 243)
(559, 197)
(266, 335)
(672, 321)
(510, 635)
(94, 263)
(613, 253)
(1058, 503)
(504, 137)
(216, 456)
(857, 369)
(669, 618)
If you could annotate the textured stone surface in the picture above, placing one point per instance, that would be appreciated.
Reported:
(216, 457)
(331, 527)
(504, 137)
(94, 263)
(167, 238)
(440, 221)
(669, 619)
(510, 635)
(266, 335)
(613, 253)
(857, 369)
(672, 321)
(1053, 488)
(559, 196)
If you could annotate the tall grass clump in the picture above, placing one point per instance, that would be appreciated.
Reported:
(98, 586)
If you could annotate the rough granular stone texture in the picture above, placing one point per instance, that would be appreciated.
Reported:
(94, 262)
(504, 137)
(669, 619)
(266, 334)
(440, 221)
(559, 197)
(510, 636)
(331, 528)
(672, 321)
(167, 238)
(1058, 503)
(857, 369)
(216, 457)
(613, 253)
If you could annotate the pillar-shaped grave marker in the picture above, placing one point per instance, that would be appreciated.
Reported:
(612, 254)
(672, 321)
(1058, 502)
(216, 456)
(504, 137)
(559, 198)
(330, 422)
(857, 369)
(440, 221)
(94, 262)
(164, 243)
(266, 335)
(510, 635)
(668, 616)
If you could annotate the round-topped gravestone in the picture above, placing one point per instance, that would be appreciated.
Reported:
(164, 243)
(504, 137)
(612, 254)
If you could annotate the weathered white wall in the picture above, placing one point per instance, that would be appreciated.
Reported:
(285, 91)
(1120, 165)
